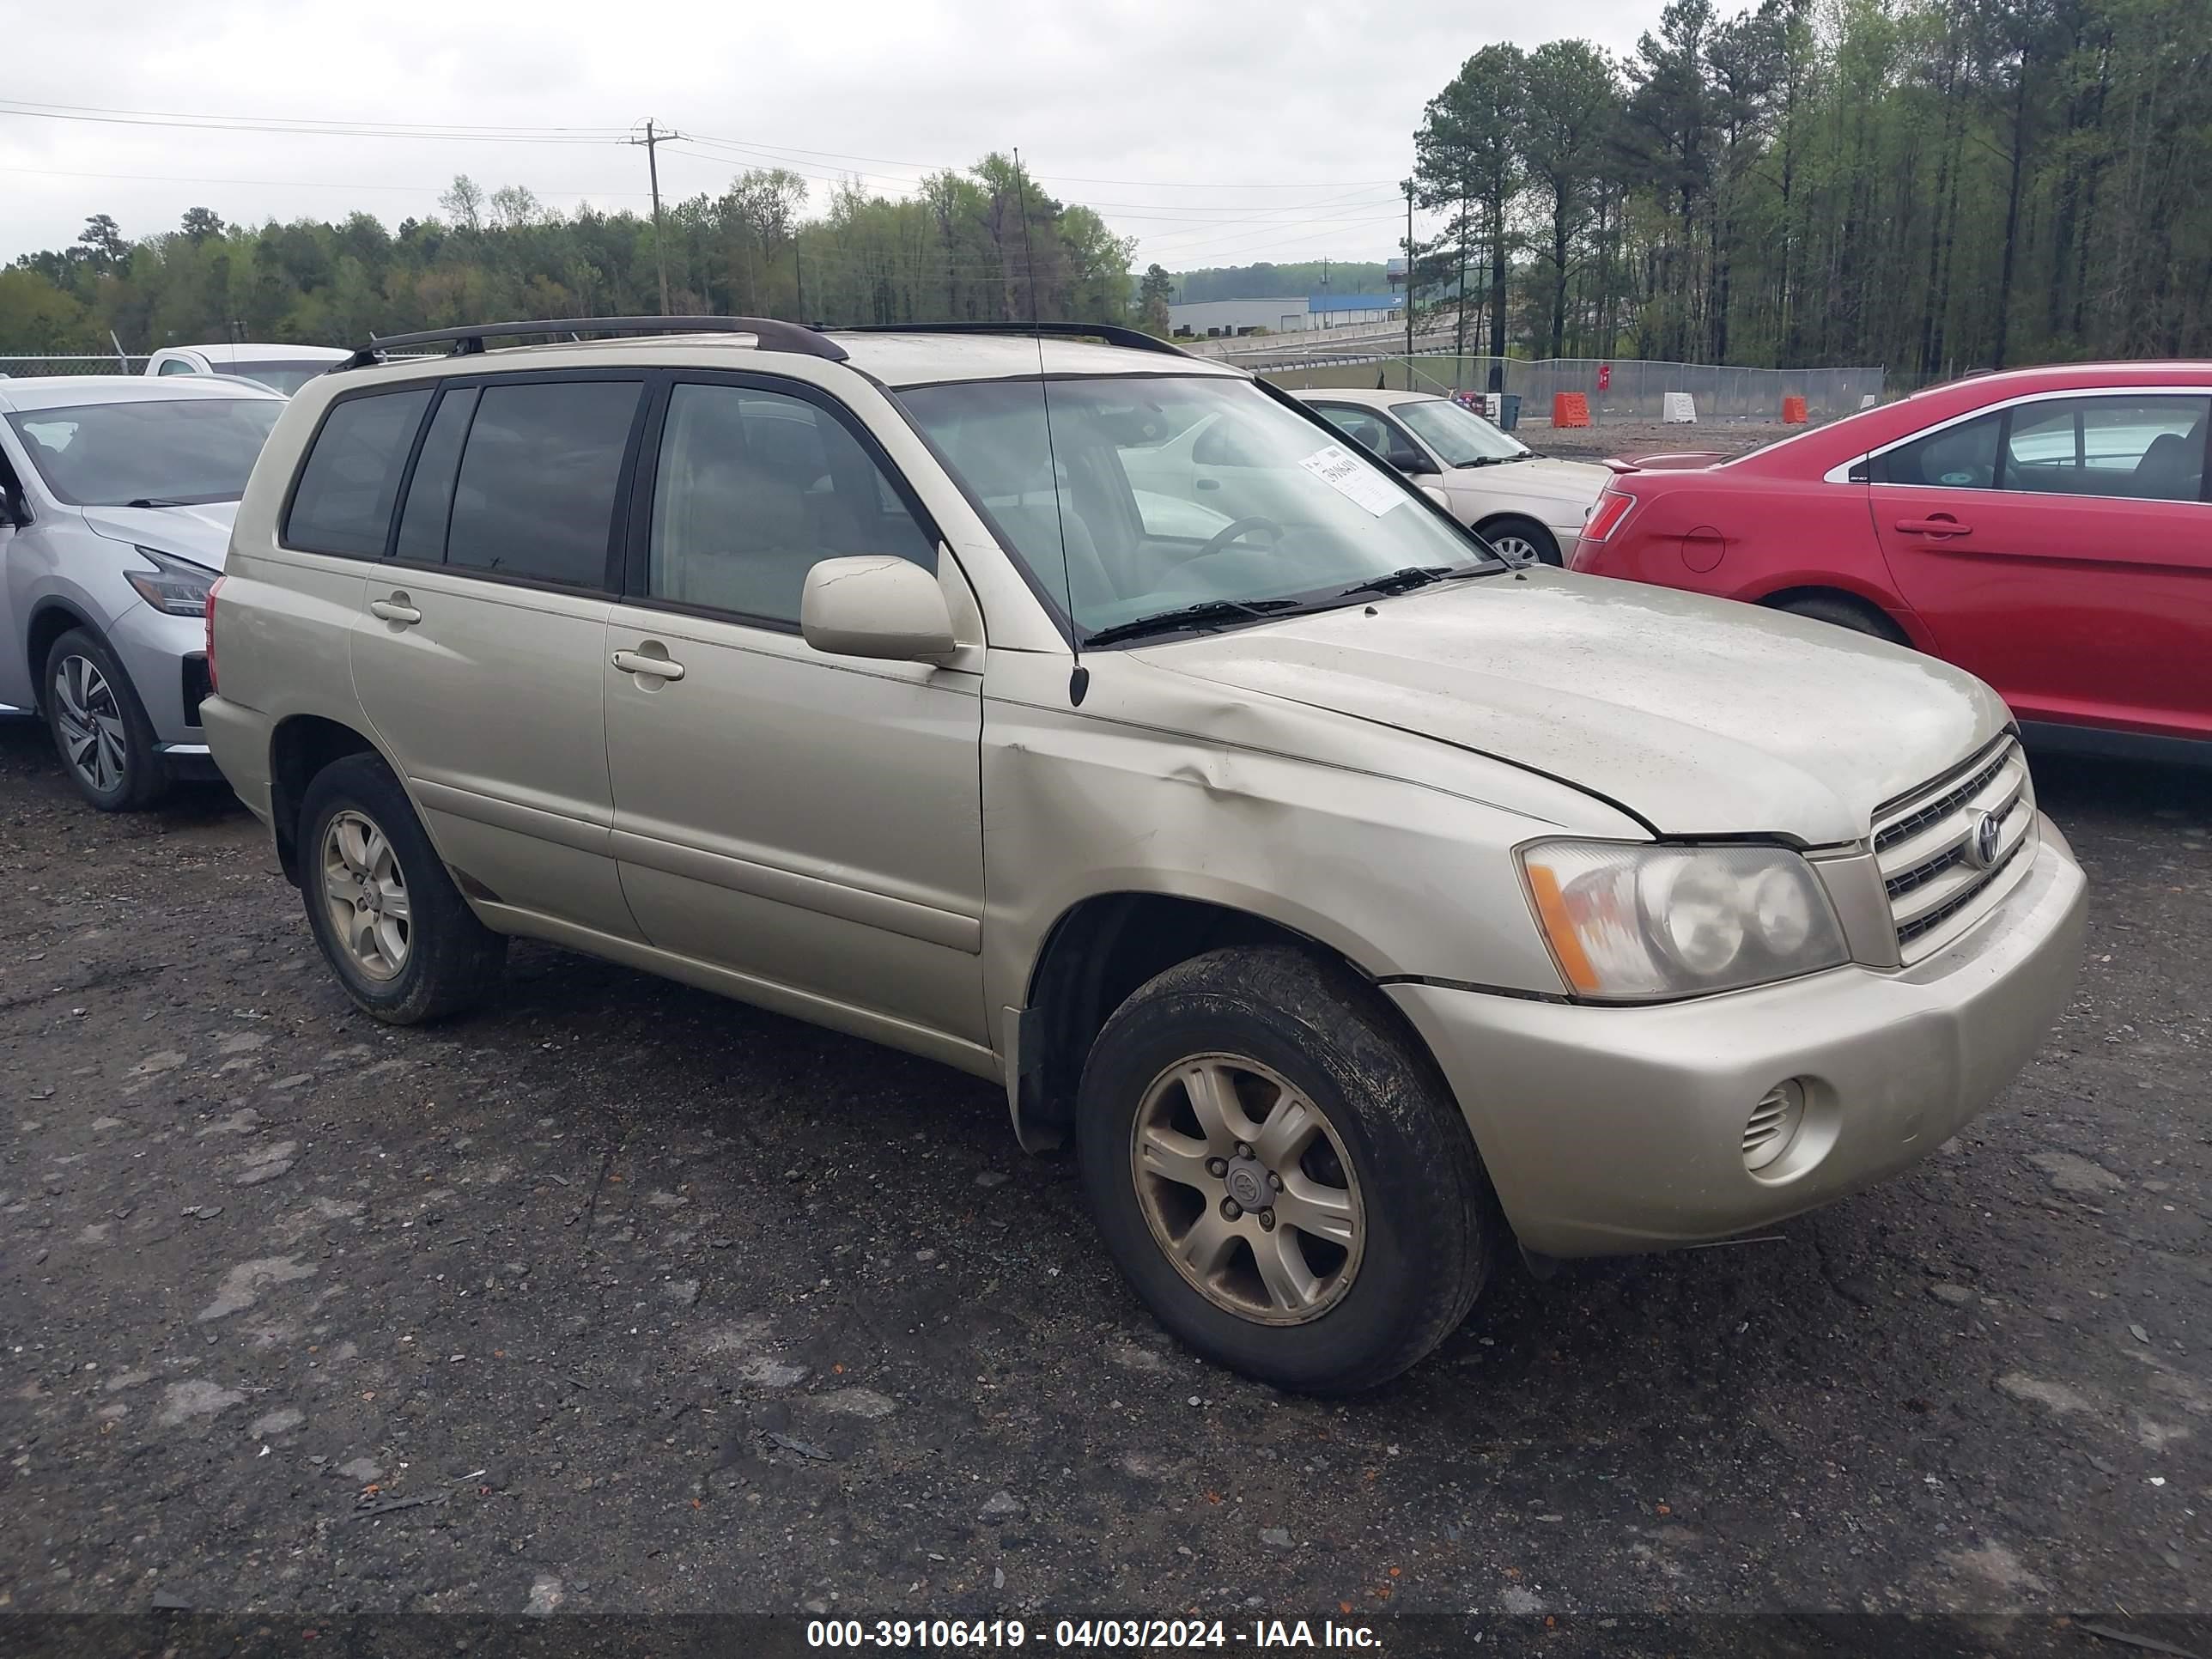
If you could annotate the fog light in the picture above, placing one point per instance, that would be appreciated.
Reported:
(1773, 1124)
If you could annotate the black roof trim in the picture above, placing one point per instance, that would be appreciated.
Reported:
(774, 335)
(1112, 333)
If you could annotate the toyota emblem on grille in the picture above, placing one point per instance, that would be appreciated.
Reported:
(1981, 847)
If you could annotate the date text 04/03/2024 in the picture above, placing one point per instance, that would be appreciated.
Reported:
(1087, 1633)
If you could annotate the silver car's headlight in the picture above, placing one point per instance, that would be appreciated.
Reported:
(1636, 922)
(175, 585)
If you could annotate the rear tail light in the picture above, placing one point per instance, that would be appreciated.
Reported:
(1605, 518)
(213, 588)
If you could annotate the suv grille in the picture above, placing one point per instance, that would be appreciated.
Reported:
(1942, 869)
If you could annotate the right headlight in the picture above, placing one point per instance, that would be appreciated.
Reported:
(1638, 922)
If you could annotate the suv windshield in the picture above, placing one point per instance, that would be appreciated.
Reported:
(1459, 436)
(285, 377)
(1155, 496)
(172, 452)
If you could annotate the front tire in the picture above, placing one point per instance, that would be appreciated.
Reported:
(1523, 541)
(390, 922)
(99, 726)
(1281, 1173)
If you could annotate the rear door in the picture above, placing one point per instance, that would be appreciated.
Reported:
(479, 656)
(2061, 548)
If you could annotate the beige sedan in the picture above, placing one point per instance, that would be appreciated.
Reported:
(1529, 507)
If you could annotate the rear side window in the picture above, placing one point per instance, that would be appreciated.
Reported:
(539, 474)
(344, 498)
(1961, 457)
(430, 495)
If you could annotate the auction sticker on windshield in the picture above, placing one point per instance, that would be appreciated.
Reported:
(1350, 477)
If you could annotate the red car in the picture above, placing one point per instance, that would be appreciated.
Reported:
(2047, 529)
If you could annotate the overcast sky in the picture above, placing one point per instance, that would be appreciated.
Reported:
(1215, 131)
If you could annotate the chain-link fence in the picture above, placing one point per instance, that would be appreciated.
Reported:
(106, 362)
(1614, 390)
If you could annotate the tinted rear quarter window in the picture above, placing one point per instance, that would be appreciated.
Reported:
(535, 495)
(343, 501)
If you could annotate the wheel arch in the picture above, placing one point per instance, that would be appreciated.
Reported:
(1095, 953)
(1859, 597)
(50, 618)
(300, 747)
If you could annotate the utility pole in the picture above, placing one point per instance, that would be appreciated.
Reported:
(1409, 284)
(651, 139)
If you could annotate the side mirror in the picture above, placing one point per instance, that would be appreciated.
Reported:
(1411, 462)
(876, 606)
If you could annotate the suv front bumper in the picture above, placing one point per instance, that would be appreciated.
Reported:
(1612, 1129)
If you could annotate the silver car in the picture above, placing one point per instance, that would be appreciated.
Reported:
(1358, 905)
(282, 369)
(119, 497)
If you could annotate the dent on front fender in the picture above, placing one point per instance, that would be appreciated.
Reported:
(1281, 812)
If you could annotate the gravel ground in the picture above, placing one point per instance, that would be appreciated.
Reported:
(1596, 443)
(618, 1297)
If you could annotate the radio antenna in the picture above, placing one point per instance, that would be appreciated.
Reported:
(1078, 680)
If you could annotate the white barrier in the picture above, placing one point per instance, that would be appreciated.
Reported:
(1678, 409)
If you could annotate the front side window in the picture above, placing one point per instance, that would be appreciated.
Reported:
(754, 488)
(148, 451)
(347, 489)
(1459, 436)
(2147, 448)
(535, 495)
(1961, 457)
(1257, 513)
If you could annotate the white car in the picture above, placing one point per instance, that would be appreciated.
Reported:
(282, 369)
(116, 501)
(1526, 507)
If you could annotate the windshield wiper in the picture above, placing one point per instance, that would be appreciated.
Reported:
(1487, 460)
(1398, 581)
(154, 501)
(1209, 613)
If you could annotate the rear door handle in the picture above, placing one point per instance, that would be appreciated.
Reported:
(394, 609)
(638, 662)
(1938, 525)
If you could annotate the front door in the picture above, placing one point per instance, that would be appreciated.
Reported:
(2061, 548)
(807, 821)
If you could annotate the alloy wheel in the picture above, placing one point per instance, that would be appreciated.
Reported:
(366, 893)
(89, 720)
(1518, 550)
(1247, 1188)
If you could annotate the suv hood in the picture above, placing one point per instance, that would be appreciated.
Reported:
(201, 534)
(1702, 717)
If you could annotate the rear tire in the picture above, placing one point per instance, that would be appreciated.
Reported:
(1522, 541)
(1374, 1229)
(390, 922)
(99, 726)
(1845, 612)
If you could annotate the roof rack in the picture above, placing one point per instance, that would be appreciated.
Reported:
(1113, 333)
(773, 335)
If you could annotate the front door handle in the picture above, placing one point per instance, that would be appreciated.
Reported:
(638, 662)
(1939, 524)
(394, 609)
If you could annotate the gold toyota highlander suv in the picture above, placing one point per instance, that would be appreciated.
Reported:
(1356, 903)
